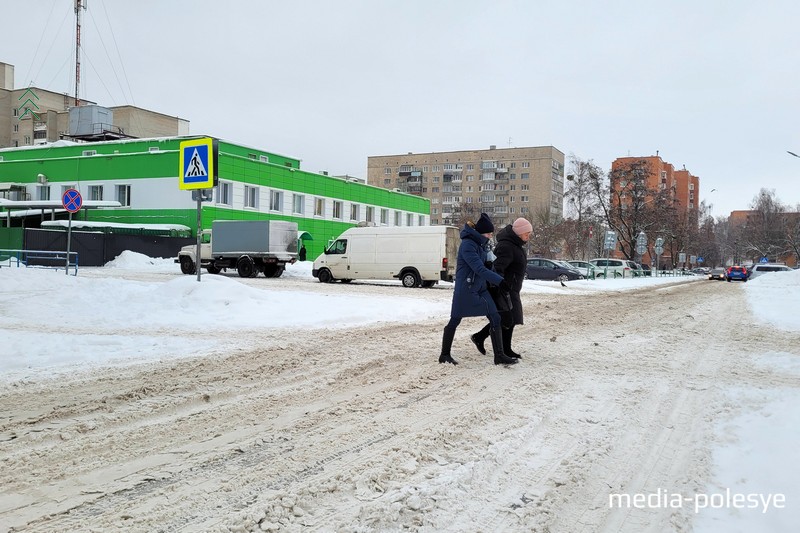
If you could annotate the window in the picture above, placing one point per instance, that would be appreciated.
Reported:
(513, 165)
(524, 176)
(387, 171)
(338, 246)
(525, 187)
(337, 209)
(387, 181)
(298, 203)
(398, 220)
(385, 216)
(523, 198)
(526, 164)
(354, 211)
(124, 195)
(224, 193)
(409, 219)
(251, 197)
(470, 166)
(95, 192)
(319, 207)
(691, 186)
(275, 201)
(512, 176)
(421, 220)
(370, 214)
(16, 128)
(43, 192)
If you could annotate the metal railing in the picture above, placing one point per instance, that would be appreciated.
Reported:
(40, 259)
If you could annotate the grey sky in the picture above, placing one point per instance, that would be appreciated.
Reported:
(712, 85)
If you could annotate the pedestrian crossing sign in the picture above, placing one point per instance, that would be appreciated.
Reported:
(197, 164)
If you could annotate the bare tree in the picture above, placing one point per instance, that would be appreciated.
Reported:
(764, 234)
(629, 205)
(583, 209)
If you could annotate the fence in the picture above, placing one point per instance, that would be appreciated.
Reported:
(40, 259)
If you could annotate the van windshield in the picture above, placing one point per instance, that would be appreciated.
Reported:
(337, 247)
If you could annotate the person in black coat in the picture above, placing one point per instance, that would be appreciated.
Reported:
(510, 263)
(470, 295)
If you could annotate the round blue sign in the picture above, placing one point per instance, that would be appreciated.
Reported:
(72, 200)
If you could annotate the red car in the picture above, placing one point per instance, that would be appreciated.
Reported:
(737, 272)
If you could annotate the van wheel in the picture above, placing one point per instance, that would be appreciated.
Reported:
(246, 267)
(187, 265)
(410, 279)
(324, 276)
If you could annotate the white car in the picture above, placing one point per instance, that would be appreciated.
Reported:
(763, 268)
(586, 269)
(607, 267)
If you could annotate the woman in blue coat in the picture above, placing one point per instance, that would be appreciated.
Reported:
(471, 297)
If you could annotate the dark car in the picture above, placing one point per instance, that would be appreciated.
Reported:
(717, 273)
(737, 272)
(540, 268)
(646, 271)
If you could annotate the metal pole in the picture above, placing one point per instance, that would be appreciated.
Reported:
(199, 229)
(69, 238)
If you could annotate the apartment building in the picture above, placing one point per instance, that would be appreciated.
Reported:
(506, 183)
(30, 116)
(661, 175)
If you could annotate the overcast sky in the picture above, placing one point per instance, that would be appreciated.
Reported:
(711, 85)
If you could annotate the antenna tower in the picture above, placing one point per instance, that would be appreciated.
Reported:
(79, 4)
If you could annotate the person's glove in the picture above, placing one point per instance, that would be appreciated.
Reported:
(504, 287)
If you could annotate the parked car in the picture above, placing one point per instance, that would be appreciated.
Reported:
(585, 268)
(737, 272)
(717, 273)
(701, 271)
(606, 267)
(763, 268)
(646, 271)
(548, 269)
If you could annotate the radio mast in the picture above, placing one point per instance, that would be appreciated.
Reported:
(79, 4)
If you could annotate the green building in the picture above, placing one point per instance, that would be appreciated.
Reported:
(142, 175)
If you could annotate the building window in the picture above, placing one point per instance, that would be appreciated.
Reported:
(421, 220)
(691, 186)
(96, 192)
(298, 203)
(224, 195)
(526, 164)
(319, 207)
(337, 209)
(398, 220)
(43, 192)
(513, 165)
(354, 211)
(387, 181)
(387, 171)
(384, 216)
(524, 176)
(124, 195)
(525, 187)
(512, 176)
(409, 219)
(275, 201)
(370, 214)
(16, 128)
(251, 197)
(523, 198)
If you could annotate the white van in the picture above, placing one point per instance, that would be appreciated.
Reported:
(419, 256)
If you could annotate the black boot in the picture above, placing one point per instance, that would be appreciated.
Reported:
(447, 343)
(479, 338)
(500, 358)
(507, 334)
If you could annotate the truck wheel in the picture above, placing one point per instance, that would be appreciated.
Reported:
(428, 284)
(212, 269)
(273, 271)
(187, 265)
(245, 267)
(410, 279)
(325, 276)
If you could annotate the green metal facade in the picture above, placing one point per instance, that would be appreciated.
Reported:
(140, 159)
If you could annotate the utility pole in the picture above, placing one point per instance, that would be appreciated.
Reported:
(79, 4)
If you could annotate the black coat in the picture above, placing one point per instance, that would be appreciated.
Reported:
(511, 263)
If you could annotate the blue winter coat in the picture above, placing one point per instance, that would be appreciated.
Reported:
(470, 297)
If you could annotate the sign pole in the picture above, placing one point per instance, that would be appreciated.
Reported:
(69, 238)
(197, 255)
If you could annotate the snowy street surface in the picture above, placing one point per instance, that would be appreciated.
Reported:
(136, 399)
